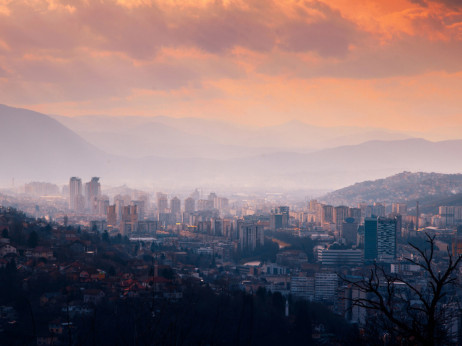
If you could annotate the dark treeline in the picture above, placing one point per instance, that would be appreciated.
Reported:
(206, 318)
(202, 317)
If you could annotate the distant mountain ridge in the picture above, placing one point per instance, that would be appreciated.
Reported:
(186, 137)
(430, 189)
(37, 147)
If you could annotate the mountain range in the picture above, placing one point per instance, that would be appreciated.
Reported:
(137, 136)
(39, 147)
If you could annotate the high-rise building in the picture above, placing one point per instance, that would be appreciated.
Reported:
(399, 208)
(92, 192)
(165, 219)
(350, 230)
(111, 215)
(204, 204)
(379, 209)
(220, 203)
(399, 223)
(229, 229)
(380, 238)
(41, 189)
(175, 208)
(315, 211)
(279, 218)
(162, 203)
(366, 210)
(102, 206)
(313, 205)
(212, 196)
(370, 238)
(386, 238)
(302, 287)
(189, 209)
(355, 213)
(217, 226)
(450, 215)
(327, 215)
(189, 205)
(119, 203)
(75, 194)
(340, 214)
(75, 189)
(276, 221)
(284, 210)
(129, 219)
(325, 286)
(340, 257)
(140, 207)
(251, 235)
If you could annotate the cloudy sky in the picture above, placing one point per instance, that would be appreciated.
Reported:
(394, 64)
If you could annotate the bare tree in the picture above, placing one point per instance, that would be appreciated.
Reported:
(409, 310)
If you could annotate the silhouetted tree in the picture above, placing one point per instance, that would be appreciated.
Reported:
(105, 237)
(33, 239)
(112, 271)
(414, 314)
(167, 273)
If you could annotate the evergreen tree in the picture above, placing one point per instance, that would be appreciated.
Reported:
(33, 239)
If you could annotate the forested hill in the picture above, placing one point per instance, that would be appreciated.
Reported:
(430, 189)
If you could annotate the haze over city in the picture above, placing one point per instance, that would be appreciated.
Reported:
(228, 84)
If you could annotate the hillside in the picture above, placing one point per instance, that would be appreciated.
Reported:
(430, 189)
(35, 146)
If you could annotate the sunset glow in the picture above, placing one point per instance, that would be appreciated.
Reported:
(390, 64)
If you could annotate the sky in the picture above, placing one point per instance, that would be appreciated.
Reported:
(391, 64)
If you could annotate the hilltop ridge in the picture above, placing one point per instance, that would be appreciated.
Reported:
(430, 189)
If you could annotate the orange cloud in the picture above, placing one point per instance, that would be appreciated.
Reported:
(254, 61)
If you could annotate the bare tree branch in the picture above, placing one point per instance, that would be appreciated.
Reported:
(422, 314)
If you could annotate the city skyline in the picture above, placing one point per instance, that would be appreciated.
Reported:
(391, 65)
